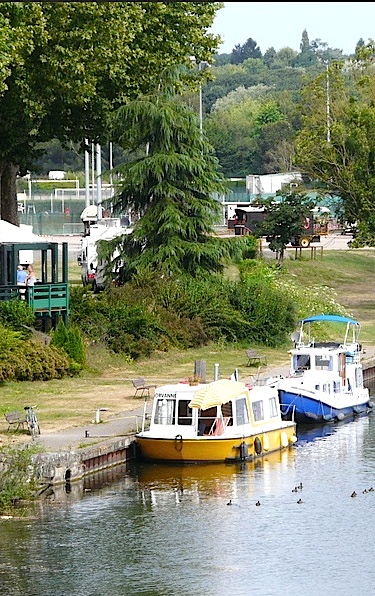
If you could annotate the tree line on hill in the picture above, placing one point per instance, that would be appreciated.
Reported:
(309, 111)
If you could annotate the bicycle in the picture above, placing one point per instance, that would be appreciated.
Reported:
(32, 420)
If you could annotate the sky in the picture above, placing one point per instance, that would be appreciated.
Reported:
(280, 24)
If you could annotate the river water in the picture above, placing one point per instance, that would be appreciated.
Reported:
(162, 530)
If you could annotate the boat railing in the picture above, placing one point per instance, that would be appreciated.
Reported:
(219, 425)
(212, 425)
(288, 412)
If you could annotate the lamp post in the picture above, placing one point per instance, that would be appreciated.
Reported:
(325, 61)
(111, 167)
(200, 66)
(99, 181)
(328, 103)
(200, 108)
(87, 174)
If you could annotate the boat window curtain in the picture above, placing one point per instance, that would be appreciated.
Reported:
(165, 411)
(242, 414)
(258, 411)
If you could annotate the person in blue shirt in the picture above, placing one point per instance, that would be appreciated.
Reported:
(21, 280)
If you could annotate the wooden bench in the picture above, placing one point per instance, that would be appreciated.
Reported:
(16, 419)
(254, 358)
(142, 386)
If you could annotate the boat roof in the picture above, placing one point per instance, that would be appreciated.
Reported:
(217, 393)
(330, 318)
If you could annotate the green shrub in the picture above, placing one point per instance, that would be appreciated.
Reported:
(40, 363)
(31, 361)
(60, 335)
(17, 476)
(250, 247)
(261, 306)
(271, 314)
(89, 313)
(15, 314)
(70, 339)
(76, 346)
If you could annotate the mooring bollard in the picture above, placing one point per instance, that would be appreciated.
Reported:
(97, 414)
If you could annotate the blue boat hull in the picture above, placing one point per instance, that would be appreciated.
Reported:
(306, 410)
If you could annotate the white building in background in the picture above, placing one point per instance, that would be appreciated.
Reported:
(56, 175)
(270, 183)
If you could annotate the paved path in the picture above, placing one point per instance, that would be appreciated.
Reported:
(67, 440)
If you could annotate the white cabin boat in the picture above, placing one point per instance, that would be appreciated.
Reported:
(326, 380)
(221, 421)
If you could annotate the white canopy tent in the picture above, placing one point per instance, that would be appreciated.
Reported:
(10, 233)
(22, 233)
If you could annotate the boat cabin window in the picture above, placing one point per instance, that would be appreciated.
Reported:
(165, 410)
(258, 411)
(206, 420)
(301, 362)
(323, 362)
(274, 410)
(242, 414)
(227, 412)
(184, 413)
(358, 377)
(349, 357)
(336, 386)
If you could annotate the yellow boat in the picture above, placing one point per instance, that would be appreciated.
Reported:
(221, 421)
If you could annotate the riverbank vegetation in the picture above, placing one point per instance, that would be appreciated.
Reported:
(18, 483)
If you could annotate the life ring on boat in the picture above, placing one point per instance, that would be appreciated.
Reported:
(306, 224)
(178, 442)
(305, 242)
(257, 445)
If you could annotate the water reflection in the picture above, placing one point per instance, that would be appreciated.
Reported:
(162, 481)
(319, 431)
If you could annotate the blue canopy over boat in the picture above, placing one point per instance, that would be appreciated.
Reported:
(330, 318)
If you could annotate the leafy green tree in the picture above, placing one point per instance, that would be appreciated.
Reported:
(252, 132)
(65, 66)
(284, 220)
(269, 57)
(170, 183)
(229, 77)
(242, 52)
(285, 57)
(231, 130)
(275, 150)
(307, 57)
(343, 159)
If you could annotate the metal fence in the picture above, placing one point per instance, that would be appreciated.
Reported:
(57, 212)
